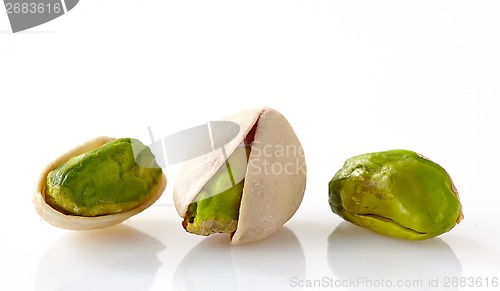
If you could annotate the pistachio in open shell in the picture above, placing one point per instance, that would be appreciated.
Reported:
(249, 188)
(396, 193)
(100, 183)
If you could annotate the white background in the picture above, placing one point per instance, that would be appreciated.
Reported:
(351, 77)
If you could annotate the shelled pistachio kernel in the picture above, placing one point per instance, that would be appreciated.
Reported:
(396, 193)
(98, 184)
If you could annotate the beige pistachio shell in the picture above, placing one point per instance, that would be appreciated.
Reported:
(195, 173)
(73, 222)
(270, 196)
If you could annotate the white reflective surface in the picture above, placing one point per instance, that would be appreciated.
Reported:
(353, 252)
(100, 259)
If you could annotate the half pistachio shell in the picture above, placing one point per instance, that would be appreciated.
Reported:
(75, 222)
(274, 181)
(397, 193)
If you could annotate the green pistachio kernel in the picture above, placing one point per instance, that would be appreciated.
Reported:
(106, 180)
(396, 193)
(216, 208)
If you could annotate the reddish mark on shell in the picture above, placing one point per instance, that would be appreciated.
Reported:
(251, 134)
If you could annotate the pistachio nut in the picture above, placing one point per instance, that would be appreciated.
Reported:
(98, 184)
(397, 193)
(251, 186)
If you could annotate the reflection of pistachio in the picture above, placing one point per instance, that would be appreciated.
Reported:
(99, 184)
(257, 266)
(396, 193)
(97, 260)
(237, 195)
(355, 253)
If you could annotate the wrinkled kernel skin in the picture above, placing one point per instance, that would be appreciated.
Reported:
(395, 193)
(103, 181)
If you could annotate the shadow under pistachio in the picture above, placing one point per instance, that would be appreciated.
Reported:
(364, 260)
(115, 258)
(215, 264)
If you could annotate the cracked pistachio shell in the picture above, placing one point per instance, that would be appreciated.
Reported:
(217, 205)
(396, 193)
(63, 214)
(269, 198)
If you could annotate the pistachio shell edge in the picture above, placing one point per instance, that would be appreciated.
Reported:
(73, 222)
